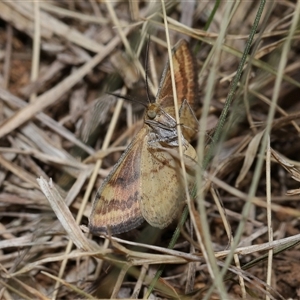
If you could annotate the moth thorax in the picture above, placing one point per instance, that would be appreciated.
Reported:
(152, 110)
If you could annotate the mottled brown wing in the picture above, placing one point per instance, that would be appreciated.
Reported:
(186, 86)
(185, 79)
(116, 208)
(162, 186)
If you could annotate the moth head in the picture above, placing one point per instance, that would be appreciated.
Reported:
(152, 110)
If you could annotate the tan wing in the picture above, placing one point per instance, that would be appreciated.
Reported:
(116, 208)
(163, 193)
(186, 86)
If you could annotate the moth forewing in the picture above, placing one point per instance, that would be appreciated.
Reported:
(116, 208)
(186, 82)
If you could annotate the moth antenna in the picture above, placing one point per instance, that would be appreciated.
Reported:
(146, 69)
(127, 98)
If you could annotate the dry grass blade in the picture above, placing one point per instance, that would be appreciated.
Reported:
(70, 286)
(9, 98)
(53, 95)
(64, 215)
(250, 155)
(295, 173)
(59, 60)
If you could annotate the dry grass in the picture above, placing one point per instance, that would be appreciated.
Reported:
(58, 123)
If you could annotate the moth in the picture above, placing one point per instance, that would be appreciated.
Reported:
(146, 183)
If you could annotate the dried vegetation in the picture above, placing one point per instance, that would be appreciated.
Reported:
(57, 60)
